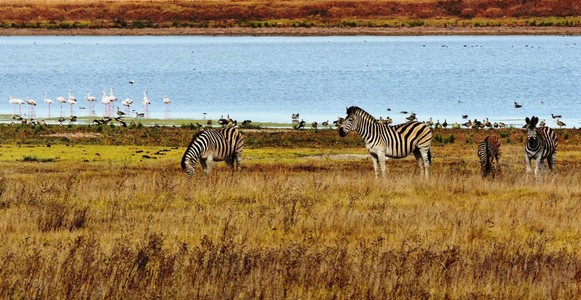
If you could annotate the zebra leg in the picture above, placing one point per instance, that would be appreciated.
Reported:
(418, 156)
(423, 156)
(238, 157)
(543, 167)
(204, 165)
(230, 163)
(537, 166)
(528, 164)
(381, 158)
(551, 161)
(210, 164)
(374, 159)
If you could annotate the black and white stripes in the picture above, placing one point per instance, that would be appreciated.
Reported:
(489, 155)
(389, 141)
(541, 144)
(213, 145)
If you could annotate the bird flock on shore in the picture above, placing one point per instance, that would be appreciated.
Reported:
(112, 107)
(113, 111)
(412, 116)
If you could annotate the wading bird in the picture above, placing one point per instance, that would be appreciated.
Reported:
(48, 102)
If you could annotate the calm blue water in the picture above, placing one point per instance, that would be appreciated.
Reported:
(269, 78)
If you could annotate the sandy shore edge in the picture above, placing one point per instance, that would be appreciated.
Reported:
(313, 31)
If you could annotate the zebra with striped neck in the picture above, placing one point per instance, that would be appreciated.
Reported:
(213, 145)
(489, 154)
(541, 144)
(384, 141)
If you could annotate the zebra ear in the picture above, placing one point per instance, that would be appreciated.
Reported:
(527, 120)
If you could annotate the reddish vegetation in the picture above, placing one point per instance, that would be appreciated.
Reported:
(50, 14)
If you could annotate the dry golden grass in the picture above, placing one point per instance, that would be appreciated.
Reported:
(314, 225)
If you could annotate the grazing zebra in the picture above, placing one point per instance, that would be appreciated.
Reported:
(541, 145)
(213, 145)
(383, 141)
(489, 153)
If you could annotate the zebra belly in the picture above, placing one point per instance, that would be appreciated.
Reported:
(214, 158)
(388, 153)
(392, 153)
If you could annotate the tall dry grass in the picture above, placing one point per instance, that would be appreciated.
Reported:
(323, 228)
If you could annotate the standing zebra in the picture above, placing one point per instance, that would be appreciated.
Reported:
(213, 145)
(389, 141)
(541, 145)
(489, 154)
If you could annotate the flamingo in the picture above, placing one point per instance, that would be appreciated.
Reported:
(146, 102)
(72, 101)
(106, 100)
(166, 101)
(91, 99)
(32, 104)
(112, 97)
(16, 101)
(127, 103)
(49, 102)
(61, 100)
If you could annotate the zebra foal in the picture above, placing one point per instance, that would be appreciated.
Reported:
(489, 154)
(213, 145)
(541, 144)
(384, 141)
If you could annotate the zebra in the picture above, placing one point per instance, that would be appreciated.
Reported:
(393, 141)
(541, 144)
(489, 153)
(213, 145)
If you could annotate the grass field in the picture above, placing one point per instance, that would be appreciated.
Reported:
(93, 218)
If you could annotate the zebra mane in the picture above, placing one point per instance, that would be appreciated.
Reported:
(355, 110)
(197, 134)
(495, 142)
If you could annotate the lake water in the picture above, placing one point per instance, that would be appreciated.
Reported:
(269, 78)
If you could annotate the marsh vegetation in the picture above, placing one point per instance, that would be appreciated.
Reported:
(139, 14)
(306, 218)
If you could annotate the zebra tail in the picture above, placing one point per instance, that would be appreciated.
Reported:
(430, 155)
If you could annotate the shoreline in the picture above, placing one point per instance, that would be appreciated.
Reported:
(301, 31)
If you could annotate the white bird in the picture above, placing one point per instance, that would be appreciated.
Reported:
(49, 102)
(167, 101)
(61, 100)
(32, 105)
(16, 101)
(71, 97)
(106, 100)
(127, 103)
(112, 97)
(146, 102)
(72, 101)
(91, 99)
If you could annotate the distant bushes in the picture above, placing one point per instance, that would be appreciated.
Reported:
(154, 14)
(445, 140)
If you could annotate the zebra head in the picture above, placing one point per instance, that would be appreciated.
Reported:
(189, 167)
(532, 139)
(350, 122)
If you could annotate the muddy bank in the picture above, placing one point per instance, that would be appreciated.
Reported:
(313, 31)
